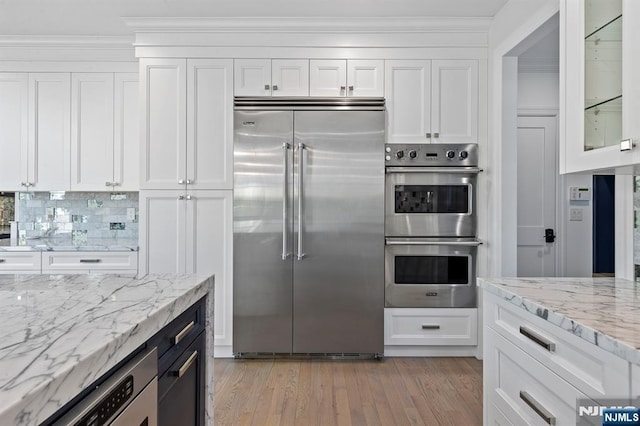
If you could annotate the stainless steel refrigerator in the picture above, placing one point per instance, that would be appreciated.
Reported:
(308, 261)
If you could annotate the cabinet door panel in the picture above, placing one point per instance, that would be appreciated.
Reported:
(126, 140)
(454, 109)
(92, 131)
(164, 123)
(210, 119)
(252, 77)
(162, 232)
(408, 94)
(327, 77)
(290, 77)
(209, 251)
(14, 115)
(366, 77)
(49, 131)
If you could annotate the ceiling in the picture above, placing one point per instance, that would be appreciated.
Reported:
(102, 17)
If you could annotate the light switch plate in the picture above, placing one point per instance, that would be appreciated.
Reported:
(131, 213)
(576, 214)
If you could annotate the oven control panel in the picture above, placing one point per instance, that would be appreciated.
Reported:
(431, 155)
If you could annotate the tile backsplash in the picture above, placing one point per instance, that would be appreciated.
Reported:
(80, 215)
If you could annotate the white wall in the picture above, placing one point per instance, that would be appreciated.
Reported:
(538, 90)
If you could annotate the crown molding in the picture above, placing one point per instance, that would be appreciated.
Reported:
(42, 48)
(307, 25)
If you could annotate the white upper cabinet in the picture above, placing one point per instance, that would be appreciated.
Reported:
(92, 131)
(209, 124)
(267, 77)
(187, 138)
(49, 142)
(600, 87)
(14, 116)
(126, 134)
(339, 77)
(164, 120)
(432, 101)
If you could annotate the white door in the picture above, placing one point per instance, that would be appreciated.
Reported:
(252, 77)
(328, 77)
(126, 138)
(209, 251)
(537, 173)
(454, 106)
(365, 78)
(209, 123)
(91, 131)
(407, 90)
(49, 131)
(14, 135)
(164, 133)
(290, 77)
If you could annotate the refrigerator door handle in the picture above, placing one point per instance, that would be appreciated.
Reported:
(301, 149)
(285, 197)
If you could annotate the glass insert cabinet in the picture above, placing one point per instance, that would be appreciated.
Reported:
(600, 86)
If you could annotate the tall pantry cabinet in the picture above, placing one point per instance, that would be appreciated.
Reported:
(186, 178)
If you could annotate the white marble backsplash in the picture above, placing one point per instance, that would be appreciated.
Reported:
(602, 311)
(62, 332)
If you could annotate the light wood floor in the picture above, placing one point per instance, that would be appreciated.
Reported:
(394, 391)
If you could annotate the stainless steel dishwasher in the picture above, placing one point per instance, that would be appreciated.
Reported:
(128, 397)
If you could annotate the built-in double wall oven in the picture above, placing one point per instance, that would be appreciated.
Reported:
(430, 225)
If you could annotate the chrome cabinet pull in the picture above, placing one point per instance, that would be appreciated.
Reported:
(90, 260)
(301, 148)
(536, 338)
(178, 337)
(285, 197)
(2, 260)
(181, 181)
(180, 197)
(188, 197)
(275, 87)
(430, 327)
(189, 181)
(436, 135)
(428, 135)
(266, 87)
(539, 409)
(108, 184)
(115, 183)
(180, 372)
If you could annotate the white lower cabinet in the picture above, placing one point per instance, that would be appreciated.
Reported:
(191, 233)
(534, 372)
(28, 262)
(426, 331)
(113, 262)
(635, 381)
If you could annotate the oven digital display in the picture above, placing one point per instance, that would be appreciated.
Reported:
(432, 199)
(431, 269)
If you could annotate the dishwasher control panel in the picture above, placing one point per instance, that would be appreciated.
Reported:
(109, 405)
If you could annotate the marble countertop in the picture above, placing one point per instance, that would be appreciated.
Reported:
(62, 332)
(66, 244)
(602, 311)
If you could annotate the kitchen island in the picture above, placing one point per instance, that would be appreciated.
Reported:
(60, 333)
(552, 343)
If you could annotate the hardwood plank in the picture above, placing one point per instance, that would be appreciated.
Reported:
(394, 391)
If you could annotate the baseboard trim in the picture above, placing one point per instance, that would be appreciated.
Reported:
(430, 351)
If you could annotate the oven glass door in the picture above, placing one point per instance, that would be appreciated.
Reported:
(430, 274)
(430, 204)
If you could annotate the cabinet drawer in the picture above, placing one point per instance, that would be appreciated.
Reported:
(23, 261)
(174, 338)
(525, 390)
(430, 327)
(77, 262)
(592, 370)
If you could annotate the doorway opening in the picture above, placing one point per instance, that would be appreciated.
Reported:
(604, 225)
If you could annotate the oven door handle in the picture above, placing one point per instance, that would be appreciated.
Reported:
(424, 242)
(451, 170)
